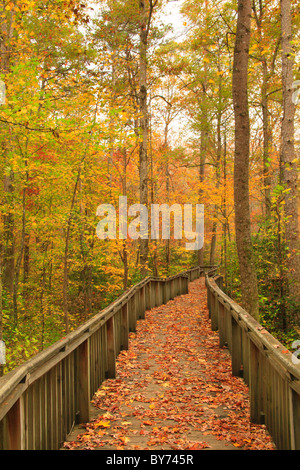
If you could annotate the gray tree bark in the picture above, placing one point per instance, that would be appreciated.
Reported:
(241, 160)
(288, 161)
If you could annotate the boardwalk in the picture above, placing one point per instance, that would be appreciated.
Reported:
(174, 389)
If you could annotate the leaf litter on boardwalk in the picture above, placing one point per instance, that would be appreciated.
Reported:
(174, 388)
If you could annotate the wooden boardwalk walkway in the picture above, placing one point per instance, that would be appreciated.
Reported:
(174, 389)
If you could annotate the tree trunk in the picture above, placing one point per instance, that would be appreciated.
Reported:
(6, 34)
(289, 163)
(9, 239)
(218, 168)
(266, 141)
(203, 149)
(241, 160)
(143, 170)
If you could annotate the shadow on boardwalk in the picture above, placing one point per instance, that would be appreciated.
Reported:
(174, 389)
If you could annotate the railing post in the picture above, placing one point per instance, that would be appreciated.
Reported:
(83, 378)
(142, 307)
(132, 313)
(228, 327)
(245, 355)
(15, 426)
(111, 348)
(254, 385)
(294, 402)
(148, 296)
(124, 326)
(164, 291)
(219, 282)
(221, 325)
(209, 295)
(135, 309)
(168, 289)
(236, 348)
(214, 313)
(158, 294)
(156, 302)
(179, 285)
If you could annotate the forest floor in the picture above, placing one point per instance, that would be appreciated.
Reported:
(173, 390)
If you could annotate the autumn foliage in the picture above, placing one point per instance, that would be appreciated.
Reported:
(71, 135)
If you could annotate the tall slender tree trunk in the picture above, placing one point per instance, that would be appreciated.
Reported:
(124, 254)
(6, 34)
(241, 160)
(143, 169)
(152, 192)
(203, 149)
(218, 167)
(289, 163)
(224, 211)
(9, 239)
(266, 141)
(259, 14)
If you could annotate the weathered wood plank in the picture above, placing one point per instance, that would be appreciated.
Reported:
(83, 380)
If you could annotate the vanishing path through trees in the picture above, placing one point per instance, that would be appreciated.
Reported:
(174, 388)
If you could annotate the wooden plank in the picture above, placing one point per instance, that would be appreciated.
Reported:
(254, 384)
(245, 355)
(48, 411)
(15, 426)
(3, 433)
(148, 295)
(29, 420)
(60, 412)
(111, 349)
(221, 325)
(42, 413)
(295, 419)
(83, 379)
(11, 399)
(214, 312)
(65, 428)
(157, 291)
(142, 302)
(54, 414)
(236, 352)
(37, 414)
(168, 290)
(209, 302)
(228, 322)
(117, 327)
(124, 327)
(286, 416)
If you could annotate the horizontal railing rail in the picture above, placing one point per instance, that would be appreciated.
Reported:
(270, 371)
(41, 400)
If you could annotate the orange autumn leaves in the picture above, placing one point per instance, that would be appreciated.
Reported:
(174, 389)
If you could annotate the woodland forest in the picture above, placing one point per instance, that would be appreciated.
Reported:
(109, 98)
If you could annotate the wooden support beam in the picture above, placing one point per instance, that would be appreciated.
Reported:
(111, 349)
(15, 426)
(124, 327)
(83, 377)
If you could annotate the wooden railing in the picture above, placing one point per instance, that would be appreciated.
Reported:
(41, 400)
(270, 371)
